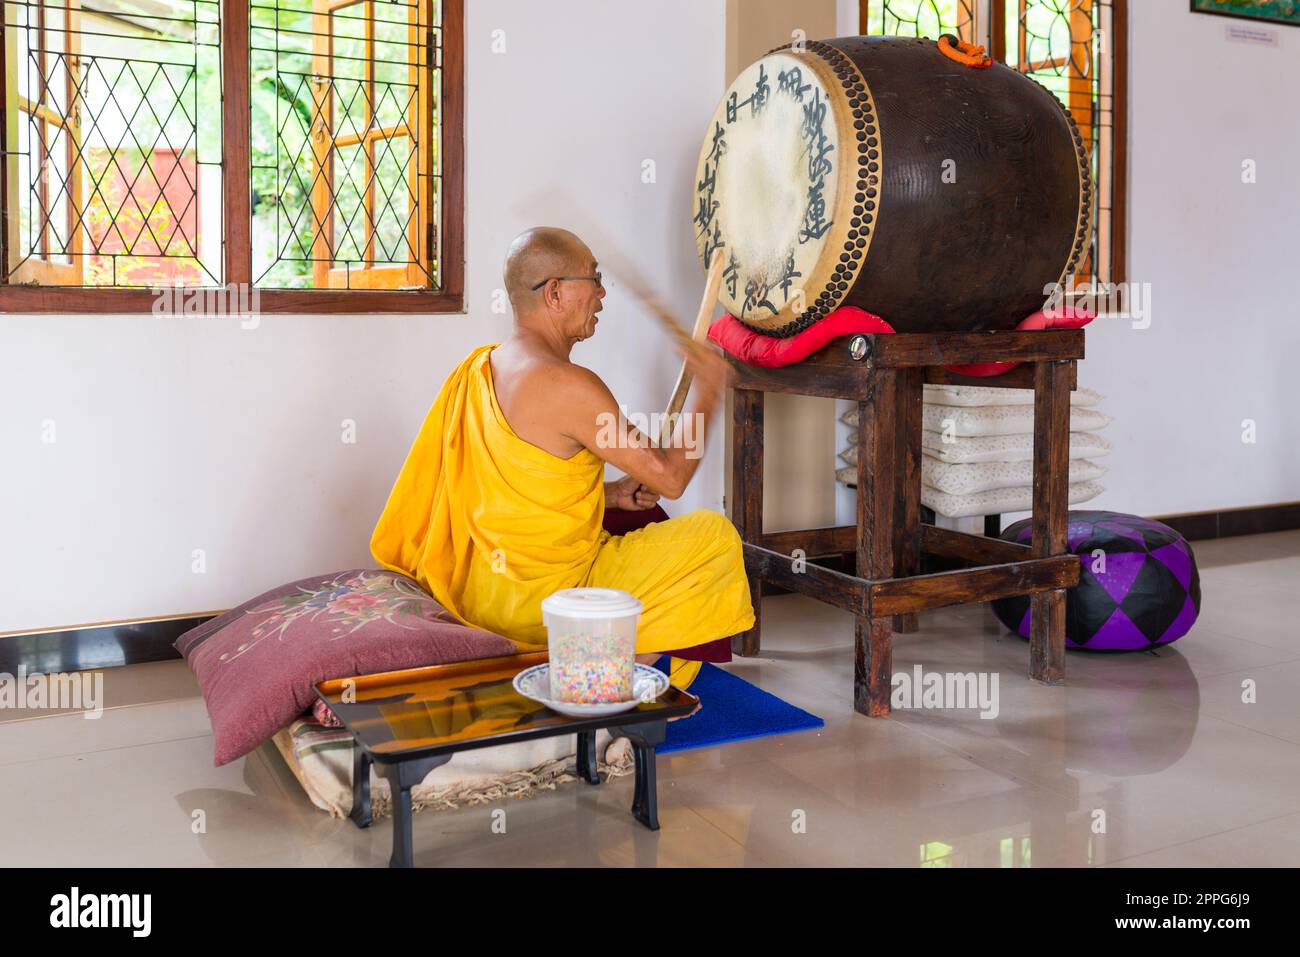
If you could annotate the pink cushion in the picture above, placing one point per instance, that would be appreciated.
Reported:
(258, 664)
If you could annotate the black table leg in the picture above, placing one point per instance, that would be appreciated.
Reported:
(402, 854)
(645, 794)
(587, 757)
(360, 815)
(401, 777)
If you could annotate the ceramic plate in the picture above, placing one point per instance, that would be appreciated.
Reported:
(535, 683)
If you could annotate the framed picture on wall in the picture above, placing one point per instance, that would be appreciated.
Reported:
(1272, 11)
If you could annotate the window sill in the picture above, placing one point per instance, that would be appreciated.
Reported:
(82, 300)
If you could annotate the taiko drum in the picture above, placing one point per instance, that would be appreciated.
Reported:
(878, 172)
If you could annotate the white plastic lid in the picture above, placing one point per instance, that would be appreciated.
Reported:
(591, 603)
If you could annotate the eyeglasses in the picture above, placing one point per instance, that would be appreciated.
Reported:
(596, 279)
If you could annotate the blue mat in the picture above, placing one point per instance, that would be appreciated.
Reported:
(733, 710)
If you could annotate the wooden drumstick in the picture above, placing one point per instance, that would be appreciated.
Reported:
(699, 334)
(663, 314)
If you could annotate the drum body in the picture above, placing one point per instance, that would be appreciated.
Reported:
(876, 172)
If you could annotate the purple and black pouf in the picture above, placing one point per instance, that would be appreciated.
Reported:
(1138, 585)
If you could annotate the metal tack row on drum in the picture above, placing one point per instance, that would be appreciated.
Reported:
(877, 172)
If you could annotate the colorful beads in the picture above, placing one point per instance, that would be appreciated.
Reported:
(591, 669)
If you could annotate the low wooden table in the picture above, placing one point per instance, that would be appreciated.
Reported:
(410, 722)
(885, 375)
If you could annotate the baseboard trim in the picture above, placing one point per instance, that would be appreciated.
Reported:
(1232, 522)
(92, 647)
(116, 643)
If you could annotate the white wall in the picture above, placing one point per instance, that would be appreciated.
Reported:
(179, 435)
(1221, 258)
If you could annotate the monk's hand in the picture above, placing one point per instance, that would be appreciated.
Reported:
(629, 494)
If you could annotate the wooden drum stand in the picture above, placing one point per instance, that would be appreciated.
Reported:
(884, 375)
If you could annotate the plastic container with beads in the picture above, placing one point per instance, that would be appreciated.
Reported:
(591, 643)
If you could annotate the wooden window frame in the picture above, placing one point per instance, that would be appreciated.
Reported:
(236, 200)
(371, 274)
(1117, 236)
(37, 113)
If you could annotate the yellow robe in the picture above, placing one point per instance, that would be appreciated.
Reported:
(490, 525)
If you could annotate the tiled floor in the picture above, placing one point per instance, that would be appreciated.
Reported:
(1137, 760)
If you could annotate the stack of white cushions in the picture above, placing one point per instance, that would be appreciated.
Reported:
(978, 449)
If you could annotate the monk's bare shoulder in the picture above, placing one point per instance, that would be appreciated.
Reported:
(549, 380)
(528, 376)
(585, 385)
(552, 380)
(547, 401)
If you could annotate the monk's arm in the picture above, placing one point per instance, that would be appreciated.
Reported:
(594, 419)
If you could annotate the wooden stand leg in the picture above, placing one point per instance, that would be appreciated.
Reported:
(907, 538)
(1051, 503)
(747, 498)
(877, 501)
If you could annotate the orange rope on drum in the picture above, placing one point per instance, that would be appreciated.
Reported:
(965, 53)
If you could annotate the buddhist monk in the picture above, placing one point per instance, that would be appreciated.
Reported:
(501, 498)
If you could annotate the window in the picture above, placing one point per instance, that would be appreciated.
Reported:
(117, 171)
(1075, 48)
(309, 150)
(920, 18)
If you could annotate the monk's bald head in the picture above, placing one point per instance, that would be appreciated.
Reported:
(541, 253)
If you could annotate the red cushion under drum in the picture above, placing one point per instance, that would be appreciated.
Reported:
(742, 342)
(1067, 317)
(738, 340)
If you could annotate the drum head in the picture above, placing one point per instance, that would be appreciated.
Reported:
(768, 189)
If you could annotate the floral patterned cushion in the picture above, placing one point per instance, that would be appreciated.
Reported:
(258, 664)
